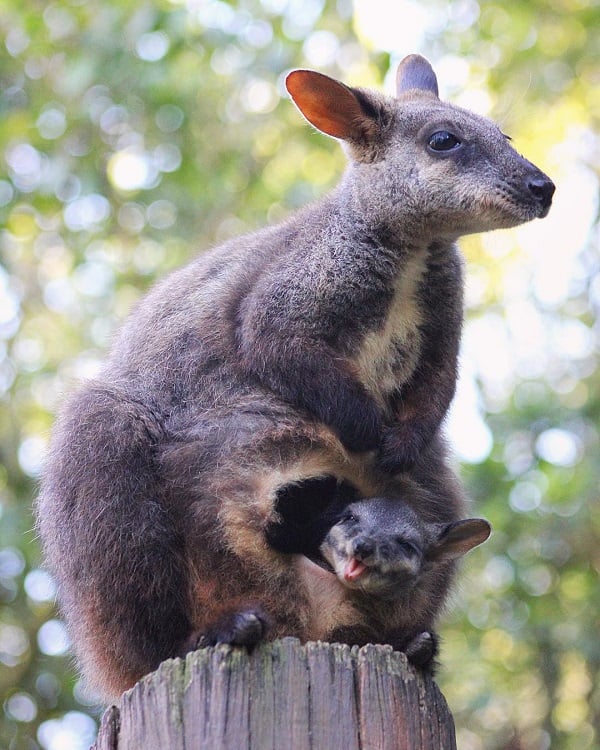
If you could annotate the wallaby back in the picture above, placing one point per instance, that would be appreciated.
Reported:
(325, 345)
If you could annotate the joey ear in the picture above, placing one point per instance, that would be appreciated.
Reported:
(415, 72)
(456, 539)
(332, 107)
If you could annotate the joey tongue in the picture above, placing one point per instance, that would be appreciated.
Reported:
(354, 569)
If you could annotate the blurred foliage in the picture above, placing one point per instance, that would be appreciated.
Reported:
(134, 133)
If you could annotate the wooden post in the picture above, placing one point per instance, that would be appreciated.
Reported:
(283, 696)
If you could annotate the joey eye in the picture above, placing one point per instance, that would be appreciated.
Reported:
(443, 140)
(409, 549)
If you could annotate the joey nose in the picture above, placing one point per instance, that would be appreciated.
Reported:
(542, 189)
(363, 547)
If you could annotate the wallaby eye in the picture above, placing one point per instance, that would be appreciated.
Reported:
(443, 141)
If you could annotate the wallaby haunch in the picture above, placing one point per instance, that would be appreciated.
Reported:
(325, 346)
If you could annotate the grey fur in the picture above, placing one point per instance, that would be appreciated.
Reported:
(324, 345)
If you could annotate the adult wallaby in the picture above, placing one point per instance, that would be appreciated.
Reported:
(323, 346)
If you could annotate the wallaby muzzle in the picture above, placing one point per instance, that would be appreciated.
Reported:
(542, 188)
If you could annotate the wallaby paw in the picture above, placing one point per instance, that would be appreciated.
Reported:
(361, 430)
(422, 650)
(392, 464)
(240, 628)
(399, 450)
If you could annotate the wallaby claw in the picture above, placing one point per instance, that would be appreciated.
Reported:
(242, 628)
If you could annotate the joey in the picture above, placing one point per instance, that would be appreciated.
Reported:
(392, 565)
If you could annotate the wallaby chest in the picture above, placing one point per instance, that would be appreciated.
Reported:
(387, 355)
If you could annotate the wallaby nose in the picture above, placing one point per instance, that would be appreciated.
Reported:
(542, 188)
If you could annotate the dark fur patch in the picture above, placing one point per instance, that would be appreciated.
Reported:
(306, 512)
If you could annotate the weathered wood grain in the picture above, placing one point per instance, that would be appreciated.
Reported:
(283, 696)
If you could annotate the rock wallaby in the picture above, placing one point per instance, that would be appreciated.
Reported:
(324, 346)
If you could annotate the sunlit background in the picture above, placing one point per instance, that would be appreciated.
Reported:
(133, 134)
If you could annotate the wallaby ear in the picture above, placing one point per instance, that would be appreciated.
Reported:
(415, 72)
(332, 107)
(456, 539)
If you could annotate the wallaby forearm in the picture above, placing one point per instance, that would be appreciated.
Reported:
(420, 406)
(312, 377)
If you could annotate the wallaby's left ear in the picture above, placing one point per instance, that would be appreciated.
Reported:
(457, 538)
(332, 107)
(416, 74)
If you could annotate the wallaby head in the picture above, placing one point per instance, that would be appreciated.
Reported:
(421, 168)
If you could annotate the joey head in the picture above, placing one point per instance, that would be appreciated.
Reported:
(382, 547)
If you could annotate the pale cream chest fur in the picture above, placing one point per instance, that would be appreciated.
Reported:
(387, 357)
